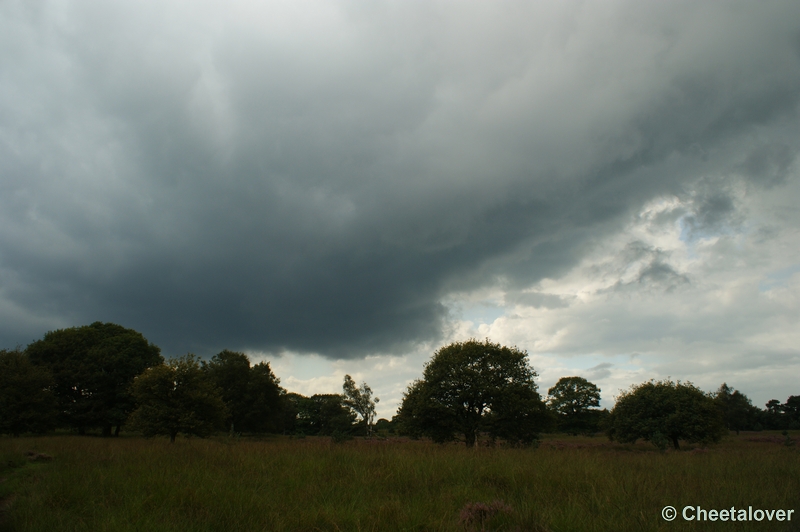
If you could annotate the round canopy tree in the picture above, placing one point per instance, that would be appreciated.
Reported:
(665, 411)
(93, 367)
(575, 401)
(177, 397)
(472, 387)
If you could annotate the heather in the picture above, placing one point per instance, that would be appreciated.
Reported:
(284, 484)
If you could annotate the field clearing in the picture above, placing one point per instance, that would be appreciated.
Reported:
(282, 484)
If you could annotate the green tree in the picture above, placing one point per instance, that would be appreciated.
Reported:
(27, 402)
(230, 372)
(473, 387)
(575, 401)
(737, 410)
(252, 394)
(93, 367)
(773, 417)
(266, 400)
(321, 414)
(665, 411)
(177, 398)
(360, 401)
(791, 410)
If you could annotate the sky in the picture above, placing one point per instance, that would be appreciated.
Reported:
(343, 187)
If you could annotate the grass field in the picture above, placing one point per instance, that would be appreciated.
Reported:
(281, 484)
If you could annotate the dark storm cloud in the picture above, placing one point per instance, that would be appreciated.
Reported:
(271, 179)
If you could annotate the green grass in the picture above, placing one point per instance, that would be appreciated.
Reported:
(579, 484)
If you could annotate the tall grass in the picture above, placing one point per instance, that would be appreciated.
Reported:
(122, 484)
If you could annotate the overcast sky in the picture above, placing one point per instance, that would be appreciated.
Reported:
(345, 186)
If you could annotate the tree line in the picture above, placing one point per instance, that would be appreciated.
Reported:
(103, 377)
(480, 388)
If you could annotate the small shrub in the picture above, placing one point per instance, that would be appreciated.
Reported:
(476, 515)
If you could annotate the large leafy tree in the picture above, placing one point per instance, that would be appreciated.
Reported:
(177, 398)
(738, 411)
(665, 411)
(360, 401)
(265, 411)
(27, 402)
(473, 387)
(575, 401)
(252, 394)
(93, 367)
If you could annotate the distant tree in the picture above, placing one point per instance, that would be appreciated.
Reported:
(291, 405)
(321, 414)
(665, 411)
(737, 410)
(360, 401)
(575, 402)
(252, 395)
(773, 417)
(384, 426)
(774, 406)
(27, 403)
(472, 387)
(791, 409)
(93, 367)
(177, 398)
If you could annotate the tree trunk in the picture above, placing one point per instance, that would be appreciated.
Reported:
(469, 438)
(172, 437)
(82, 431)
(116, 431)
(106, 430)
(675, 443)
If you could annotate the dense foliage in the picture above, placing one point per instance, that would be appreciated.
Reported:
(92, 368)
(738, 412)
(177, 397)
(665, 412)
(27, 403)
(320, 415)
(575, 402)
(252, 395)
(473, 387)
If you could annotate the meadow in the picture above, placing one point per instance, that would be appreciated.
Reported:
(283, 484)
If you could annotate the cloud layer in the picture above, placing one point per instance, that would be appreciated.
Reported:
(339, 178)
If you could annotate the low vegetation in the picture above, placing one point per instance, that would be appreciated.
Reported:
(287, 484)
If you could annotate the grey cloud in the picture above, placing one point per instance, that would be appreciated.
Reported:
(321, 185)
(769, 165)
(600, 371)
(640, 266)
(539, 300)
(713, 213)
